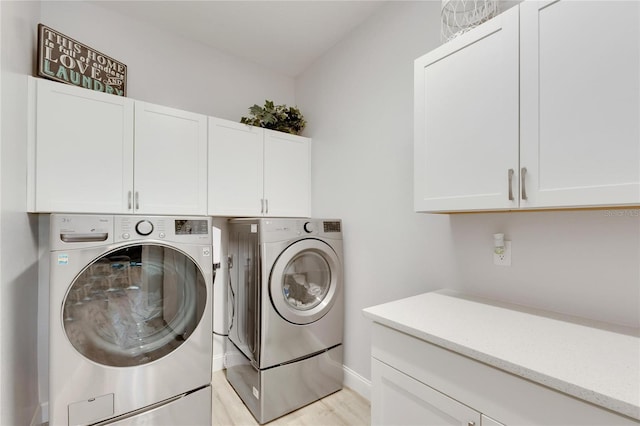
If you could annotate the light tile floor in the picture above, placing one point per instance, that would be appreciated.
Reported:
(343, 408)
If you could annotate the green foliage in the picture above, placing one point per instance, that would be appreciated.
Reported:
(275, 117)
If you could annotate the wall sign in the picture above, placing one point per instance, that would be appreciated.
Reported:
(63, 59)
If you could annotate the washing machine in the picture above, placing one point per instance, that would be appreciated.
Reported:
(286, 299)
(130, 320)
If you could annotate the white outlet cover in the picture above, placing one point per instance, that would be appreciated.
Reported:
(503, 259)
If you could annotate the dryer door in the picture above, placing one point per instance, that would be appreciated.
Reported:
(134, 305)
(305, 281)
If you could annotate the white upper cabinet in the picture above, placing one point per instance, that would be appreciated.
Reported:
(170, 167)
(92, 152)
(546, 115)
(466, 120)
(257, 172)
(80, 149)
(580, 103)
(287, 174)
(235, 168)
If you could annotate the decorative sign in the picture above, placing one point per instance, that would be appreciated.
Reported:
(63, 59)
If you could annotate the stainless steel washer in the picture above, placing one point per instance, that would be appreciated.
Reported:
(130, 320)
(285, 340)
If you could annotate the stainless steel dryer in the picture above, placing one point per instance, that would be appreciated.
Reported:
(285, 338)
(130, 320)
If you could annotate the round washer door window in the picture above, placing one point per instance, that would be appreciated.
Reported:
(134, 305)
(305, 280)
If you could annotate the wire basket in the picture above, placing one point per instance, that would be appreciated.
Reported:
(459, 16)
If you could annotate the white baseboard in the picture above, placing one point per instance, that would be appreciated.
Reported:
(218, 362)
(41, 415)
(357, 383)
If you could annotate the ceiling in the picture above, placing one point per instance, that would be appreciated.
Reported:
(285, 36)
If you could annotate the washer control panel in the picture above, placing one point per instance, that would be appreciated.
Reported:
(163, 228)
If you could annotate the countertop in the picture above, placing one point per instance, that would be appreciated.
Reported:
(593, 361)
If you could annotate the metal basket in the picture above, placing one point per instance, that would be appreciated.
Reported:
(459, 16)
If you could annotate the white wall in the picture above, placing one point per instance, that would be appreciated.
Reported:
(18, 231)
(582, 263)
(169, 70)
(358, 99)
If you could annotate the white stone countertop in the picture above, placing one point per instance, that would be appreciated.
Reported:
(593, 361)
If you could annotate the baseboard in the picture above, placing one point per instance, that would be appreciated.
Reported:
(357, 383)
(40, 415)
(218, 362)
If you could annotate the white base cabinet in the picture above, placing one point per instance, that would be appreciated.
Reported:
(415, 382)
(536, 108)
(257, 172)
(93, 152)
(398, 399)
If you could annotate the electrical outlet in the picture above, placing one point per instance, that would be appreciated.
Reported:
(503, 259)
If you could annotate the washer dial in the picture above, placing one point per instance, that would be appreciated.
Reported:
(144, 227)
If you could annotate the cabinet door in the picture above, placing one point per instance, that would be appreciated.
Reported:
(81, 149)
(580, 94)
(235, 169)
(287, 174)
(397, 399)
(466, 120)
(170, 167)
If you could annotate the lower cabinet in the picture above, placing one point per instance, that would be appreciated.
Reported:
(398, 399)
(415, 382)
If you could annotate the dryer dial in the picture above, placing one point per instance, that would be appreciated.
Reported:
(144, 227)
(309, 227)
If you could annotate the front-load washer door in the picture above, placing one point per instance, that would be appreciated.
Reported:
(134, 305)
(305, 281)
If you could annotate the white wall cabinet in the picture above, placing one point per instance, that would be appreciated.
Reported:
(80, 149)
(170, 167)
(580, 103)
(257, 172)
(416, 382)
(466, 120)
(92, 152)
(537, 108)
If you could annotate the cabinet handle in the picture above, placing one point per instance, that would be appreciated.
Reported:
(471, 424)
(129, 200)
(510, 184)
(137, 200)
(266, 206)
(523, 174)
(261, 205)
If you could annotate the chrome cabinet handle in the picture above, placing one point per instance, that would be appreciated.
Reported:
(129, 201)
(261, 205)
(510, 184)
(523, 175)
(266, 203)
(137, 200)
(471, 424)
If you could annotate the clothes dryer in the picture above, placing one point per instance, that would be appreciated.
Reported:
(285, 340)
(130, 320)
